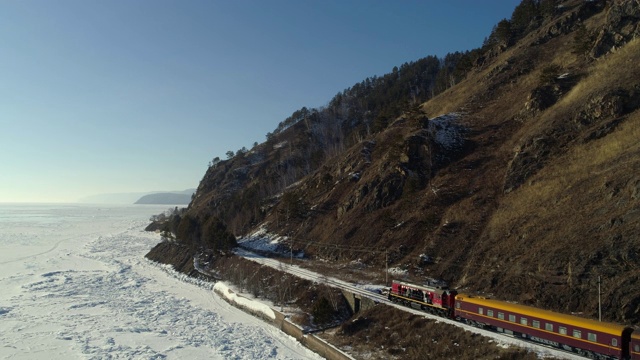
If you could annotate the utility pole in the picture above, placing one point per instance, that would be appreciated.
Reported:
(599, 301)
(290, 237)
(386, 268)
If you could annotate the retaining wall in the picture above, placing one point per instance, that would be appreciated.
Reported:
(310, 341)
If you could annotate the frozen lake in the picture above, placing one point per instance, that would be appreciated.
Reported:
(74, 284)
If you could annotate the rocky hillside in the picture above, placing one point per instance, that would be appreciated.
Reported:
(520, 178)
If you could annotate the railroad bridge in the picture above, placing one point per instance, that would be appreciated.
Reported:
(358, 302)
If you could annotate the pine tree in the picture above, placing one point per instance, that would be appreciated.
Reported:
(522, 17)
(503, 31)
(322, 311)
(548, 7)
(582, 40)
(501, 34)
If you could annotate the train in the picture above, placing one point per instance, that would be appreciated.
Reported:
(586, 337)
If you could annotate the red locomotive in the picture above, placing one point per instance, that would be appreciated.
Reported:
(436, 299)
(590, 338)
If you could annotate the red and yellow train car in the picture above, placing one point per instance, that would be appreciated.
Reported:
(587, 337)
(634, 346)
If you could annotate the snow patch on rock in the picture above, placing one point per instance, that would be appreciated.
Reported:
(447, 132)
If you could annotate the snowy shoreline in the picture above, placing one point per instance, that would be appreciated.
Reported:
(262, 311)
(76, 285)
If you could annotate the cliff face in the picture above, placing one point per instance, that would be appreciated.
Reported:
(520, 181)
(180, 257)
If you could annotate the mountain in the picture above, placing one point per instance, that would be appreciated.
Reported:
(134, 197)
(511, 170)
(113, 198)
(167, 198)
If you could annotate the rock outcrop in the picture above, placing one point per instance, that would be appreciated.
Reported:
(621, 27)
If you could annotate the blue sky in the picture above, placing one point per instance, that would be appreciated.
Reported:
(139, 95)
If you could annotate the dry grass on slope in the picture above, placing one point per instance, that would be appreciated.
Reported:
(577, 220)
(613, 71)
(572, 178)
(579, 217)
(588, 159)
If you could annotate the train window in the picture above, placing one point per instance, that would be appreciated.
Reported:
(458, 304)
(490, 313)
(512, 318)
(562, 330)
(577, 334)
(636, 348)
(500, 316)
(614, 342)
(592, 337)
(480, 311)
(536, 324)
(548, 327)
(523, 321)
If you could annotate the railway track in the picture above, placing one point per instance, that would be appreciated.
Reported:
(295, 270)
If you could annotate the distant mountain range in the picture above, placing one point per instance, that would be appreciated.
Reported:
(169, 198)
(154, 197)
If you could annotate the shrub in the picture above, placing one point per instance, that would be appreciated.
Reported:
(550, 73)
(322, 311)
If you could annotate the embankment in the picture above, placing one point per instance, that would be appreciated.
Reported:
(280, 321)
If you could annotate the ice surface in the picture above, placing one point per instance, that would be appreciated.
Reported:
(75, 284)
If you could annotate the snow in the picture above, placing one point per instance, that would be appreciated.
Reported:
(280, 144)
(75, 284)
(397, 271)
(447, 132)
(376, 289)
(355, 175)
(253, 305)
(262, 240)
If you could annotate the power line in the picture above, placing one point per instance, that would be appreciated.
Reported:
(594, 272)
